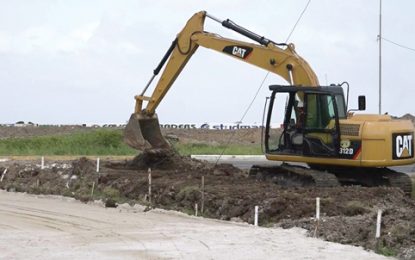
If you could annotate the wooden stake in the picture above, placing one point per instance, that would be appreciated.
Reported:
(42, 163)
(203, 195)
(256, 216)
(2, 176)
(317, 216)
(92, 190)
(196, 209)
(98, 164)
(378, 223)
(317, 208)
(149, 185)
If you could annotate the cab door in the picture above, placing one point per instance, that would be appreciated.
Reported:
(321, 126)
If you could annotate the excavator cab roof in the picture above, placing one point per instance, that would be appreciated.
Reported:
(295, 90)
(335, 90)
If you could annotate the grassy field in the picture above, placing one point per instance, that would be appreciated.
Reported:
(187, 149)
(102, 142)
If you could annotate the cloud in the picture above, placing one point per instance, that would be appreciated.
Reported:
(77, 39)
(5, 42)
(90, 37)
(87, 57)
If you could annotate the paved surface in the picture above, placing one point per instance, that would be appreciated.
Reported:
(43, 227)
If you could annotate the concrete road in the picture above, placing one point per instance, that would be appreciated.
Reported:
(246, 161)
(45, 227)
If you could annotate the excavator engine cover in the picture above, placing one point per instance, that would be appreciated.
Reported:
(143, 133)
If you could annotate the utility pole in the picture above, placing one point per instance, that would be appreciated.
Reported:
(380, 56)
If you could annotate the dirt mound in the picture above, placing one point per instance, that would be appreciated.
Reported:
(408, 117)
(237, 136)
(354, 221)
(30, 131)
(161, 160)
(83, 166)
(348, 213)
(171, 161)
(197, 136)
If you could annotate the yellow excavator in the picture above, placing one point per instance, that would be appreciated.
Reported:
(338, 145)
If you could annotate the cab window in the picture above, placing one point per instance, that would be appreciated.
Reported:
(320, 111)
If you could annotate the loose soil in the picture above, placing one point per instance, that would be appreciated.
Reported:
(348, 213)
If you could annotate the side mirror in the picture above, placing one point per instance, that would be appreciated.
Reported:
(362, 103)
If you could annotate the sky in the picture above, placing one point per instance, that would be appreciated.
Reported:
(73, 62)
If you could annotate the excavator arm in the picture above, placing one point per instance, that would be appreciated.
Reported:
(143, 130)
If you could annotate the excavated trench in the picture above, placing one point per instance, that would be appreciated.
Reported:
(348, 213)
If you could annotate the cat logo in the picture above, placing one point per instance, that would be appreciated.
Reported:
(345, 143)
(241, 52)
(403, 146)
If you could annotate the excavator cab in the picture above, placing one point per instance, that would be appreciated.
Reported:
(311, 121)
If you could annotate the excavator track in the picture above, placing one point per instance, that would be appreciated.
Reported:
(373, 177)
(399, 180)
(319, 176)
(294, 176)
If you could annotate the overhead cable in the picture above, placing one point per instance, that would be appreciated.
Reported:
(260, 86)
(399, 45)
(298, 20)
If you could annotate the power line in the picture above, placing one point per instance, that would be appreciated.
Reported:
(263, 81)
(260, 86)
(399, 45)
(298, 20)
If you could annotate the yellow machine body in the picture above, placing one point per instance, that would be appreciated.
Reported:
(383, 142)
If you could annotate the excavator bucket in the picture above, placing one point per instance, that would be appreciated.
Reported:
(143, 133)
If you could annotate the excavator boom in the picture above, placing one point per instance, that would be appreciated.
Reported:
(143, 130)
